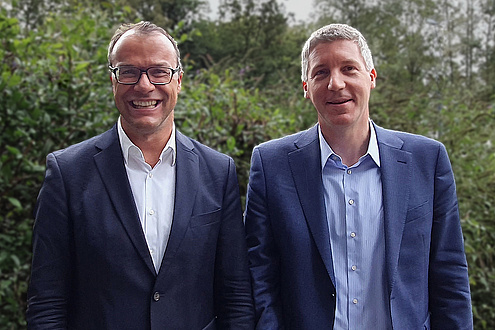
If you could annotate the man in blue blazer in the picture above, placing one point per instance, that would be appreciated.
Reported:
(140, 227)
(349, 225)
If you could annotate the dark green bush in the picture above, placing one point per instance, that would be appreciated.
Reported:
(54, 91)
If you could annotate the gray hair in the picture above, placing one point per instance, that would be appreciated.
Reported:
(144, 28)
(333, 32)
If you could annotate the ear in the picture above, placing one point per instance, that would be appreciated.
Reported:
(113, 83)
(179, 82)
(305, 89)
(373, 78)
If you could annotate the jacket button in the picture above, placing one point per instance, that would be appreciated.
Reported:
(156, 296)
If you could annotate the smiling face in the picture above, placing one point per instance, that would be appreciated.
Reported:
(146, 109)
(339, 85)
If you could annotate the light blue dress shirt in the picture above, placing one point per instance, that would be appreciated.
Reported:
(354, 208)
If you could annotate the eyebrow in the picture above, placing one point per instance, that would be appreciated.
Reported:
(353, 62)
(343, 63)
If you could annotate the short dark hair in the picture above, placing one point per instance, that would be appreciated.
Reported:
(143, 27)
(333, 32)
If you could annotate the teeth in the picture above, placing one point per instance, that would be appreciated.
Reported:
(144, 103)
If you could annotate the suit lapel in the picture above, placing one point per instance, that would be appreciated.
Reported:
(305, 165)
(110, 164)
(396, 180)
(186, 187)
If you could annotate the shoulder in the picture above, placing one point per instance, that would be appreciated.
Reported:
(78, 152)
(290, 142)
(407, 141)
(203, 151)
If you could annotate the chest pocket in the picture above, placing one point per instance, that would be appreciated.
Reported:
(418, 211)
(204, 219)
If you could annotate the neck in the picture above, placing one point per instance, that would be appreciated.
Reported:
(349, 144)
(152, 145)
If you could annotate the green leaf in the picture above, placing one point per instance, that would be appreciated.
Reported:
(13, 150)
(15, 202)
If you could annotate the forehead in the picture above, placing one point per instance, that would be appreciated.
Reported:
(135, 48)
(335, 51)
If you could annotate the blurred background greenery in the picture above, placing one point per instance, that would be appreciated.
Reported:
(436, 76)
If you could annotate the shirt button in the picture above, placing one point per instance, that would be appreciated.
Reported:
(354, 301)
(351, 201)
(156, 296)
(349, 171)
(353, 234)
(150, 175)
(151, 212)
(354, 267)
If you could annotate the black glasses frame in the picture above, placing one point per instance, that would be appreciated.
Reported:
(117, 68)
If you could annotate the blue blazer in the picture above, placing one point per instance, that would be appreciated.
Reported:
(91, 265)
(289, 246)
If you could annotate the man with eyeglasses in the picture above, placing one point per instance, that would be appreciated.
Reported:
(141, 226)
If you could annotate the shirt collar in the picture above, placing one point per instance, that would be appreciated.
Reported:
(326, 150)
(126, 144)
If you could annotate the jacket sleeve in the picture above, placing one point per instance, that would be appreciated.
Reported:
(264, 259)
(48, 291)
(233, 298)
(449, 293)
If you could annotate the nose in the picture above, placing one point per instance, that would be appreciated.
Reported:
(144, 84)
(336, 82)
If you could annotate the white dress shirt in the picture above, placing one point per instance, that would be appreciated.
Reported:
(153, 190)
(354, 204)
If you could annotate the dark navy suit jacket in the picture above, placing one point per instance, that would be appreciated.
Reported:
(289, 245)
(91, 265)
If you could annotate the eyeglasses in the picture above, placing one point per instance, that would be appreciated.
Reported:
(130, 75)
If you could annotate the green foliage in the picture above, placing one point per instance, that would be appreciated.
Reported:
(467, 135)
(54, 91)
(253, 36)
(165, 13)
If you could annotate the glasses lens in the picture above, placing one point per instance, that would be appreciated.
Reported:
(128, 75)
(160, 75)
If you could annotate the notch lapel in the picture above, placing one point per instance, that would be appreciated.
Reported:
(186, 187)
(110, 164)
(396, 181)
(305, 165)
